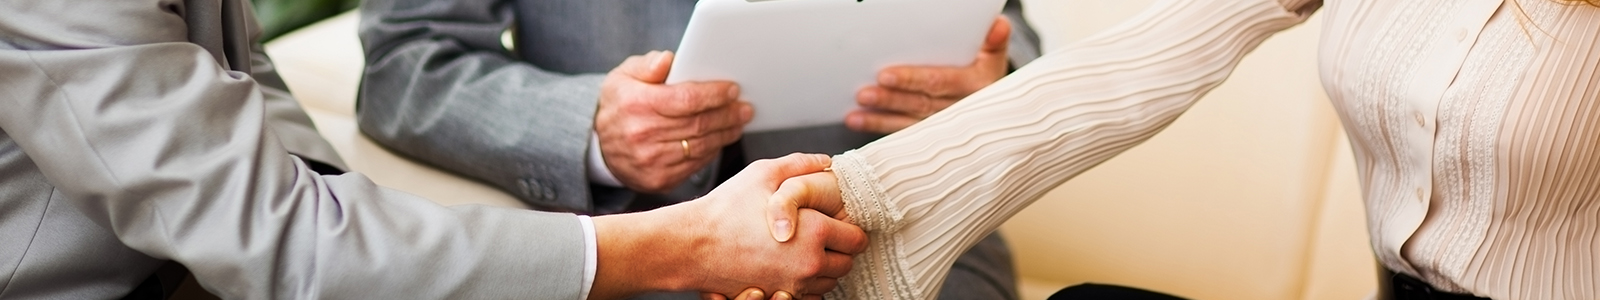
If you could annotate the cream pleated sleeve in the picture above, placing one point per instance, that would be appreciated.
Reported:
(929, 192)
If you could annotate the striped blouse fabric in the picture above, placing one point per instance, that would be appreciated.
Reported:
(1475, 127)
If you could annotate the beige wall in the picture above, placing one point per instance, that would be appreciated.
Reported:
(1250, 195)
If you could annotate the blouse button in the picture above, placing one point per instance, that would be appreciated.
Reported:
(1420, 196)
(1461, 34)
(1421, 120)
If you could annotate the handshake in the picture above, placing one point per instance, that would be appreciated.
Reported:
(777, 230)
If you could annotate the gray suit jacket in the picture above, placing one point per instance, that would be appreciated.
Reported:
(134, 133)
(440, 87)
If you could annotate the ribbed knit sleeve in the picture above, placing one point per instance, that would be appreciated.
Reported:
(929, 192)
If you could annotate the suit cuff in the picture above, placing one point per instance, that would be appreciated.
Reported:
(598, 173)
(590, 256)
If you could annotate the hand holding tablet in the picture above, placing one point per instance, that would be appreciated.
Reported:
(905, 95)
(802, 62)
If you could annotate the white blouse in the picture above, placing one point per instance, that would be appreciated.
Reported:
(1475, 125)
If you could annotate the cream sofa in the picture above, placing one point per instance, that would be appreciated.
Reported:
(1250, 195)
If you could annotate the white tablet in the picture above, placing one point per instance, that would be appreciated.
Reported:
(801, 62)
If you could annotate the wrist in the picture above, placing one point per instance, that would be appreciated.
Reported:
(643, 252)
(599, 172)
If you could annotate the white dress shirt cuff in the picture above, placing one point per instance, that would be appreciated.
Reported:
(590, 257)
(598, 173)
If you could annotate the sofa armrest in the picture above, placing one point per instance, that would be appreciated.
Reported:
(322, 64)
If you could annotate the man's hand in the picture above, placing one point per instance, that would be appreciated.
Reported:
(907, 94)
(653, 135)
(720, 244)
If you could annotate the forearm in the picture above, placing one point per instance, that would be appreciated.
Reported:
(931, 191)
(172, 154)
(284, 114)
(636, 256)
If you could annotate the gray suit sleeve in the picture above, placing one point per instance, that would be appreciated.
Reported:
(284, 114)
(151, 138)
(1025, 46)
(440, 87)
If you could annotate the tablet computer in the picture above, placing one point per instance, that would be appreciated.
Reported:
(801, 62)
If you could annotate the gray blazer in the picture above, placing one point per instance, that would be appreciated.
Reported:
(440, 87)
(134, 133)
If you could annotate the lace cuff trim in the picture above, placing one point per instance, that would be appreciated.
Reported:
(880, 272)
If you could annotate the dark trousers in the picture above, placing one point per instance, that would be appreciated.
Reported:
(1397, 286)
(1095, 291)
(984, 272)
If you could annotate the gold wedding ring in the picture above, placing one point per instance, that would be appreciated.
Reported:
(685, 143)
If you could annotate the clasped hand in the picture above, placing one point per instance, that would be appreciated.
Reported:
(807, 199)
(904, 96)
(721, 244)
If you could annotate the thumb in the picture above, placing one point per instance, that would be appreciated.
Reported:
(773, 174)
(747, 294)
(999, 38)
(782, 211)
(752, 294)
(818, 191)
(651, 67)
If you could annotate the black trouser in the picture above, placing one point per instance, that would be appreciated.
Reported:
(1094, 291)
(1391, 286)
(1398, 286)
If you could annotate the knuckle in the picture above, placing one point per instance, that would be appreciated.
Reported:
(907, 77)
(882, 99)
(727, 118)
(636, 133)
(686, 93)
(812, 267)
(635, 100)
(701, 124)
(639, 158)
(765, 163)
(655, 98)
(926, 107)
(911, 103)
(872, 122)
(928, 79)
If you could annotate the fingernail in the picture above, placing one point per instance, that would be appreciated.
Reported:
(733, 92)
(782, 295)
(655, 58)
(783, 230)
(854, 121)
(887, 78)
(757, 294)
(747, 112)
